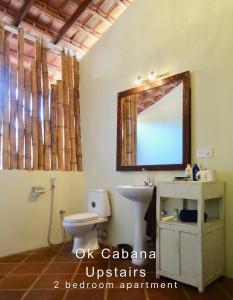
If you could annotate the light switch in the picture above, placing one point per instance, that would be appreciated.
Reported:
(204, 152)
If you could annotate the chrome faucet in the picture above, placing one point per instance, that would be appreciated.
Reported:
(148, 181)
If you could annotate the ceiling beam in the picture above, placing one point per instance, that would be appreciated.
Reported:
(120, 3)
(30, 38)
(71, 21)
(39, 28)
(100, 16)
(64, 18)
(28, 58)
(61, 17)
(94, 11)
(23, 11)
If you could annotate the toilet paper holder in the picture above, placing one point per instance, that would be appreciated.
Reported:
(38, 191)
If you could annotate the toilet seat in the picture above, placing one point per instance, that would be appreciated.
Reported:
(84, 223)
(81, 217)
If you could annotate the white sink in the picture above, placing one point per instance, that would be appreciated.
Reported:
(140, 197)
(136, 193)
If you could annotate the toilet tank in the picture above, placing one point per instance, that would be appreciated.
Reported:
(98, 202)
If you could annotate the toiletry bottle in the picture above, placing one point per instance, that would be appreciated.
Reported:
(176, 214)
(195, 170)
(188, 172)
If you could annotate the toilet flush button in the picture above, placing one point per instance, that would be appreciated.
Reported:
(93, 204)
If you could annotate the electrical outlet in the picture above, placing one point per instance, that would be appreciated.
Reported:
(204, 153)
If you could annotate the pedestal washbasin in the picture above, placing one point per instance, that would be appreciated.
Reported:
(140, 197)
(136, 193)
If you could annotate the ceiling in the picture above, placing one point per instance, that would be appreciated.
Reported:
(150, 97)
(74, 24)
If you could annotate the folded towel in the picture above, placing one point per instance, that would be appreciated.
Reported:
(168, 218)
(150, 217)
(188, 215)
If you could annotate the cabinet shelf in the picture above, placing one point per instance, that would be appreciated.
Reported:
(191, 227)
(177, 241)
(210, 221)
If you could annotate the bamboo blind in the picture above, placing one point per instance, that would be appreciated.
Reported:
(39, 121)
(28, 133)
(45, 80)
(20, 100)
(39, 106)
(6, 134)
(60, 126)
(67, 141)
(129, 130)
(77, 115)
(2, 83)
(13, 113)
(54, 126)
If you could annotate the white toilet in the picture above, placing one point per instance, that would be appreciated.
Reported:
(83, 226)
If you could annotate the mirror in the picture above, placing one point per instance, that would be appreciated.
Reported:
(153, 128)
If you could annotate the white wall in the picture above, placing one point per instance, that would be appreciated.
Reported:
(163, 36)
(23, 222)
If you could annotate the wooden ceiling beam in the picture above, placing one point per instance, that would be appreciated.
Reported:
(71, 21)
(100, 16)
(61, 17)
(64, 18)
(94, 11)
(51, 34)
(42, 31)
(23, 11)
(29, 57)
(120, 3)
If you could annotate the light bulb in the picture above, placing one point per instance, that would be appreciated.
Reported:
(152, 76)
(138, 80)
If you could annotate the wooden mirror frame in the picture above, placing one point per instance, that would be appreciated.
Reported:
(185, 77)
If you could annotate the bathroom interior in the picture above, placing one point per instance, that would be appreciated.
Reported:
(107, 107)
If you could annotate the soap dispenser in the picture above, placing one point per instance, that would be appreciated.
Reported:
(188, 172)
(196, 169)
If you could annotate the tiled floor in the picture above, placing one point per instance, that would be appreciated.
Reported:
(35, 274)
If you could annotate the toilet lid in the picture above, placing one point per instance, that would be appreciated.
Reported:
(81, 217)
